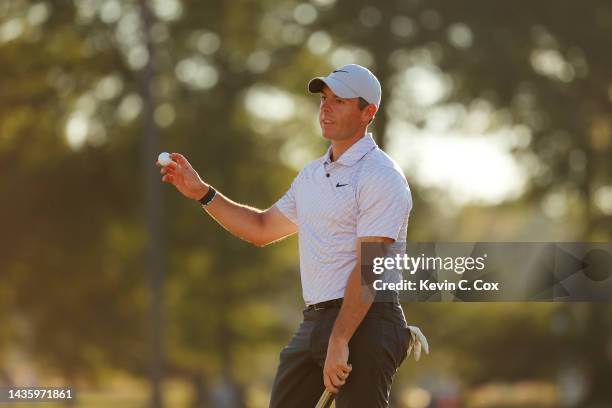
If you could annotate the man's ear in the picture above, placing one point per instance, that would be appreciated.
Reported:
(370, 110)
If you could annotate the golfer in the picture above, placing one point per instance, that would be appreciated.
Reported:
(347, 342)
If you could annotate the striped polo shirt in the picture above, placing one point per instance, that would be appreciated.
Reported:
(364, 193)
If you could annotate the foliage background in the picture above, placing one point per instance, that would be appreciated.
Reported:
(499, 113)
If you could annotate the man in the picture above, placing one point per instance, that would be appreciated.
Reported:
(354, 194)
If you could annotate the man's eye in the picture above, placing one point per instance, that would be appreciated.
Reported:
(339, 100)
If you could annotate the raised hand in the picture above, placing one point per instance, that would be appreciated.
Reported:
(182, 175)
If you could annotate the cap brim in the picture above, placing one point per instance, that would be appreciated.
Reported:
(337, 87)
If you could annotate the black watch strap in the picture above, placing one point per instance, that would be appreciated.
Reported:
(208, 197)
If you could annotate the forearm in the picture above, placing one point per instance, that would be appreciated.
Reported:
(357, 301)
(241, 220)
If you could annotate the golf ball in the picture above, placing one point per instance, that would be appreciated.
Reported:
(164, 159)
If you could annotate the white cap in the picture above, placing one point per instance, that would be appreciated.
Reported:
(350, 81)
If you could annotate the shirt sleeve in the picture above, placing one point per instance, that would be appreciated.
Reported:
(384, 202)
(287, 204)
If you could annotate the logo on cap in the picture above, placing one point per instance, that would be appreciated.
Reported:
(358, 82)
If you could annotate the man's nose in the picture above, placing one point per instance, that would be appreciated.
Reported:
(325, 106)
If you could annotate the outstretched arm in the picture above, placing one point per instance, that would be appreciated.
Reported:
(259, 227)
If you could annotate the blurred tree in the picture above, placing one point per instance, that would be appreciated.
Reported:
(69, 143)
(535, 65)
(76, 191)
(65, 289)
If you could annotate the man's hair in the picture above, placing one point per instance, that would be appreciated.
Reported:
(364, 104)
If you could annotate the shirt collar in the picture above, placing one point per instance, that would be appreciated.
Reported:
(354, 153)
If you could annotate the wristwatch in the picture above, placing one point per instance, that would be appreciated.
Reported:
(208, 197)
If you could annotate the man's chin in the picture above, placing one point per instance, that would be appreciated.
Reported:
(332, 134)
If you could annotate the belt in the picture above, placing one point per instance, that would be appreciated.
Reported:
(329, 304)
(383, 297)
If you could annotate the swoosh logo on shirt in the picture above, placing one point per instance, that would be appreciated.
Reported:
(341, 185)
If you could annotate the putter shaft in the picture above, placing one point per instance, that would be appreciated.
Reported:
(325, 400)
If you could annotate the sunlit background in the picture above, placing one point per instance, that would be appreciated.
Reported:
(498, 112)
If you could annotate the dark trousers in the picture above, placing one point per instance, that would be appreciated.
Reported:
(376, 350)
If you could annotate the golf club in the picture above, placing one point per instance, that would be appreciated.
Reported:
(326, 400)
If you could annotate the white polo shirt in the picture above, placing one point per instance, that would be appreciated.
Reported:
(364, 193)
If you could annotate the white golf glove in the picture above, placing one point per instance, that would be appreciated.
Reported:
(417, 342)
